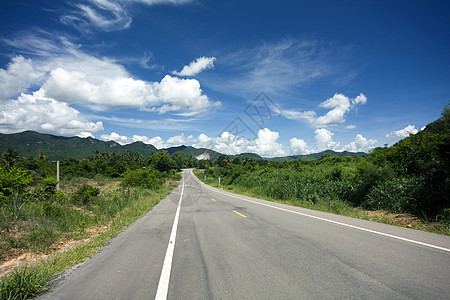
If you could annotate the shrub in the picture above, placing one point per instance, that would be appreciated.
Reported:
(397, 195)
(12, 180)
(48, 192)
(146, 178)
(85, 194)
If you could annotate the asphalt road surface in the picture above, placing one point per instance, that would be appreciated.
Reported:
(204, 243)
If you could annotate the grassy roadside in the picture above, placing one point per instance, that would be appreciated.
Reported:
(115, 208)
(340, 208)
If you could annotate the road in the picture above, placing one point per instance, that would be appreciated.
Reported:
(228, 246)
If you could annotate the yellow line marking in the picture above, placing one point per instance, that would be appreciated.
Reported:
(213, 199)
(242, 215)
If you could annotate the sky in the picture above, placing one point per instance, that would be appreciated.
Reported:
(273, 78)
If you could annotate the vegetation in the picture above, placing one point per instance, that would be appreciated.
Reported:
(411, 177)
(31, 144)
(106, 190)
(317, 156)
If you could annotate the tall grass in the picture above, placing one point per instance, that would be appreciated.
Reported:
(346, 188)
(114, 207)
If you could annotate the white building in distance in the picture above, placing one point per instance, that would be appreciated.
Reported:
(203, 156)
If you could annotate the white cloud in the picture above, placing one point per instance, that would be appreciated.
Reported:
(402, 133)
(85, 134)
(171, 94)
(308, 116)
(361, 144)
(152, 2)
(339, 105)
(107, 15)
(265, 144)
(324, 140)
(19, 75)
(179, 140)
(157, 141)
(121, 139)
(39, 113)
(298, 146)
(175, 94)
(272, 67)
(196, 66)
(67, 74)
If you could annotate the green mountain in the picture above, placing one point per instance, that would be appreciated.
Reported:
(253, 156)
(193, 152)
(31, 143)
(317, 156)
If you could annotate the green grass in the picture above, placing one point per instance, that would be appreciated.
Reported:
(116, 208)
(335, 206)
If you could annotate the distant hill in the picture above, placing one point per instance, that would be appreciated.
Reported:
(317, 156)
(30, 143)
(193, 152)
(253, 156)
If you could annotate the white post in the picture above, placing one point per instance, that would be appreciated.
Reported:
(205, 177)
(57, 175)
(219, 180)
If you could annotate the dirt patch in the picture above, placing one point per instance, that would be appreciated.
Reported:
(392, 218)
(103, 184)
(17, 258)
(171, 182)
(71, 187)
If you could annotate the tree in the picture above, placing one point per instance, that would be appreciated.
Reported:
(41, 155)
(223, 160)
(180, 159)
(11, 157)
(161, 161)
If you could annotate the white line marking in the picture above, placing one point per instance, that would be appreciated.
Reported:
(330, 221)
(163, 286)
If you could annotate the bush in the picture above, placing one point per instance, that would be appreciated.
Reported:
(445, 216)
(146, 178)
(85, 194)
(48, 192)
(12, 180)
(397, 195)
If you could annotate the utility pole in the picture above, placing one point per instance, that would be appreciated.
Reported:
(57, 175)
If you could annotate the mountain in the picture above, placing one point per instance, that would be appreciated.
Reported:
(253, 156)
(193, 152)
(317, 156)
(31, 143)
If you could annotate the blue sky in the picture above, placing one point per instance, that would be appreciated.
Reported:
(274, 78)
